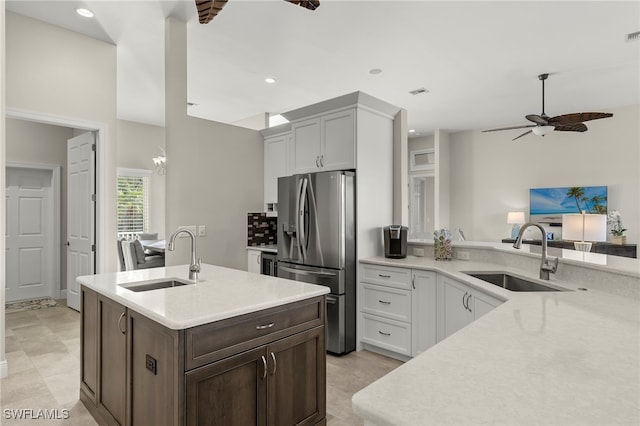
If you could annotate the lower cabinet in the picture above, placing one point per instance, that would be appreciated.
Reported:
(404, 312)
(253, 261)
(459, 305)
(135, 371)
(278, 384)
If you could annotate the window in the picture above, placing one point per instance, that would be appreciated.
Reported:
(421, 207)
(133, 201)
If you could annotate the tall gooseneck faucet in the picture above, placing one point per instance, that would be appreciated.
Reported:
(545, 267)
(194, 267)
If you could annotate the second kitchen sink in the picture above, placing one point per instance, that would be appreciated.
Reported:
(155, 285)
(511, 282)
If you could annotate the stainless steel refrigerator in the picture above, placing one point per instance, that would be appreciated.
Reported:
(317, 244)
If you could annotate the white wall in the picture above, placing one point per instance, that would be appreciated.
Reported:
(491, 175)
(214, 170)
(3, 359)
(37, 143)
(137, 144)
(55, 72)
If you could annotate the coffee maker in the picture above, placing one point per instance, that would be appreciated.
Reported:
(395, 241)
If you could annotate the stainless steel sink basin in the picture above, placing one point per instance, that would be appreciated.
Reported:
(510, 282)
(155, 285)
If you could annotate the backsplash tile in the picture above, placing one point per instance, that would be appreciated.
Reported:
(261, 229)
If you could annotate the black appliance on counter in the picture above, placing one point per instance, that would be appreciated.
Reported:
(316, 244)
(395, 241)
(268, 264)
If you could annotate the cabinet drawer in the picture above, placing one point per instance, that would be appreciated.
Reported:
(386, 302)
(387, 275)
(387, 334)
(218, 340)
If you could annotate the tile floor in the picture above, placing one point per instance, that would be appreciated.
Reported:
(43, 352)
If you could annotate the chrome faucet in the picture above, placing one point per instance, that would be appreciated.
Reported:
(545, 267)
(194, 267)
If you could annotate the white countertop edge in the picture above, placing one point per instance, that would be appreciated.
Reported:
(110, 285)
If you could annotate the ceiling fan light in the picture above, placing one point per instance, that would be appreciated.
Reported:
(542, 130)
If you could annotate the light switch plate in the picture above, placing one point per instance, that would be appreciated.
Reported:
(418, 252)
(462, 255)
(202, 231)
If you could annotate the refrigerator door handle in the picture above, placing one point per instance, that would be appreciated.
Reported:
(301, 220)
(297, 218)
(303, 272)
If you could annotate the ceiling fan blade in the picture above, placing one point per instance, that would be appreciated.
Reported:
(579, 117)
(576, 127)
(309, 4)
(510, 128)
(524, 134)
(208, 9)
(538, 119)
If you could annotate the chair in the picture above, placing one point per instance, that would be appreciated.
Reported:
(133, 257)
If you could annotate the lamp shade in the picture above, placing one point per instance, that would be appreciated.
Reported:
(584, 227)
(542, 130)
(515, 218)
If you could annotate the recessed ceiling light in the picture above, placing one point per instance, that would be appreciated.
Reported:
(270, 80)
(375, 71)
(84, 12)
(412, 131)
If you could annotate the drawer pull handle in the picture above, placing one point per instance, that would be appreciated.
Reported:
(383, 333)
(262, 327)
(264, 364)
(384, 276)
(384, 302)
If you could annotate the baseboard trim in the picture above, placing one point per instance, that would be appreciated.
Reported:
(4, 369)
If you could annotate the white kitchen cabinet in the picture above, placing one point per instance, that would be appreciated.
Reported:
(276, 164)
(459, 305)
(397, 309)
(326, 142)
(253, 261)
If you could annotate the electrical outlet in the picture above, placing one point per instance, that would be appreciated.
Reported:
(462, 255)
(418, 252)
(152, 364)
(191, 228)
(202, 231)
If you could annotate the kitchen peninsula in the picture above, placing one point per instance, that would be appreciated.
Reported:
(559, 357)
(233, 348)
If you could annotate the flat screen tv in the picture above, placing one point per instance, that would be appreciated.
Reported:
(547, 205)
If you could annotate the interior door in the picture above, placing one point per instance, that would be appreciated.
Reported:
(29, 234)
(80, 213)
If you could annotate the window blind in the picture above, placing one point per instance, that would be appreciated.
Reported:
(133, 202)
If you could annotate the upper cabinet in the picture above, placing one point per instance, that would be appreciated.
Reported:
(326, 142)
(276, 164)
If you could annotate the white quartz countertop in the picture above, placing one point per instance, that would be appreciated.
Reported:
(552, 358)
(269, 248)
(220, 293)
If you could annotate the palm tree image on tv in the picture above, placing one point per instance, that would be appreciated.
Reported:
(578, 194)
(549, 204)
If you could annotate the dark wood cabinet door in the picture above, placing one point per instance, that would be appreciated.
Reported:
(297, 379)
(231, 392)
(112, 358)
(89, 342)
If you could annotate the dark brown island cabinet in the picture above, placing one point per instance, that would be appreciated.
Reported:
(263, 368)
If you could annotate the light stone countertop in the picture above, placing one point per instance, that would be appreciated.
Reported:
(552, 358)
(220, 293)
(269, 248)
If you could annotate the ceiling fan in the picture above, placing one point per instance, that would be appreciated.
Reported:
(562, 123)
(208, 9)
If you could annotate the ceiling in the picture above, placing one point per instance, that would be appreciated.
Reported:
(478, 60)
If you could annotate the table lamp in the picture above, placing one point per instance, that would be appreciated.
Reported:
(516, 219)
(583, 229)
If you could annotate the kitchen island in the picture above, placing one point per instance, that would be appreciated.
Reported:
(548, 358)
(233, 348)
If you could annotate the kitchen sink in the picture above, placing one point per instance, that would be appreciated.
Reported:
(511, 282)
(156, 285)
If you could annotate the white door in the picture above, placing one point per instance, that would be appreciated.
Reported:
(80, 213)
(29, 234)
